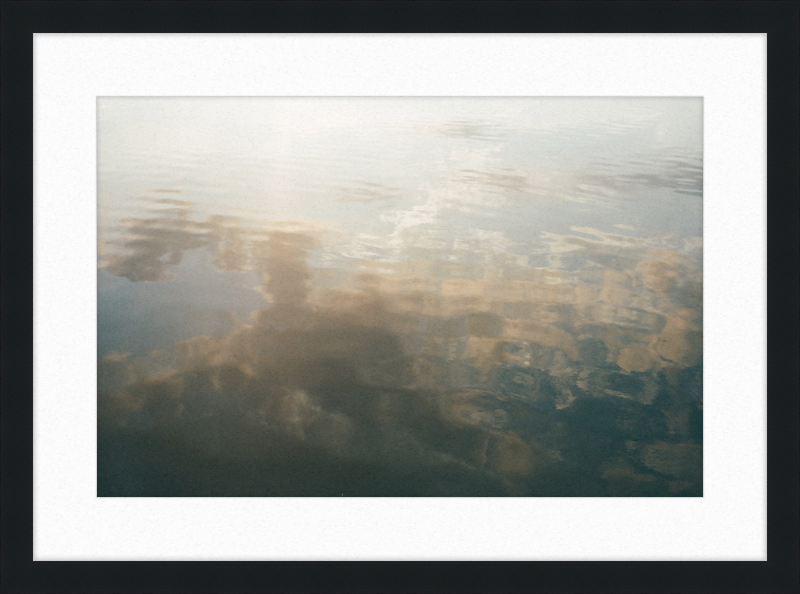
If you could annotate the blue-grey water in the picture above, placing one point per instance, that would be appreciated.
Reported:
(400, 297)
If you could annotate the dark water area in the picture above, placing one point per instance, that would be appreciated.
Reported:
(400, 297)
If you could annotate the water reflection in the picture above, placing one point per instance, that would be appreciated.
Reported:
(421, 353)
(473, 130)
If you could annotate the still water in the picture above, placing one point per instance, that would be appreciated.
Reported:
(400, 297)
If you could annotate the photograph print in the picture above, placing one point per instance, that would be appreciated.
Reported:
(400, 297)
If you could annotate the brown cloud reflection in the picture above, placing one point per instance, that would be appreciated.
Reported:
(409, 378)
(153, 245)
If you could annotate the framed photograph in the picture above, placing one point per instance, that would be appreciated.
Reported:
(400, 283)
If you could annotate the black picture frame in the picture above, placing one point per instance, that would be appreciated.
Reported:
(20, 19)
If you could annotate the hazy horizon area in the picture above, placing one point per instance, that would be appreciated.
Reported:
(400, 297)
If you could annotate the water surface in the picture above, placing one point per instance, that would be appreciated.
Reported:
(399, 297)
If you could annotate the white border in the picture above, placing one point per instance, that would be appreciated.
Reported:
(728, 523)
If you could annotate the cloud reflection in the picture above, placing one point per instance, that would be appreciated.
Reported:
(153, 245)
(411, 377)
